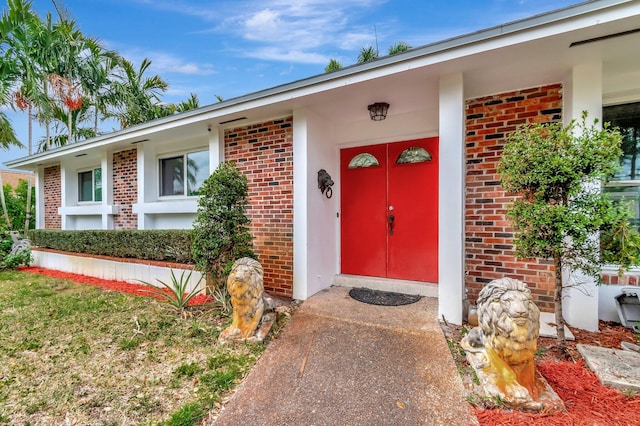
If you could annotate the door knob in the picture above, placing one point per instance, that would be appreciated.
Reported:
(392, 218)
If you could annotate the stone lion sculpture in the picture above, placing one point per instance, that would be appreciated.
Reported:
(246, 288)
(504, 343)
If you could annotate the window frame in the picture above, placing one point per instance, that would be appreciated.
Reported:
(623, 183)
(184, 155)
(96, 184)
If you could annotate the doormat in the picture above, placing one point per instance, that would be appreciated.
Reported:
(382, 298)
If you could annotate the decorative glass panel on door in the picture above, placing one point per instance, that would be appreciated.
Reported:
(363, 160)
(413, 154)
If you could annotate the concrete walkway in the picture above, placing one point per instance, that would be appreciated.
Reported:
(342, 362)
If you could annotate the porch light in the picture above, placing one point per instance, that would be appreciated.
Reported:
(378, 111)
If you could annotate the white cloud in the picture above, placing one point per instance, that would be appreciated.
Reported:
(166, 63)
(283, 54)
(300, 31)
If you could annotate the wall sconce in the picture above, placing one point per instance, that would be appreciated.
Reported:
(325, 183)
(378, 111)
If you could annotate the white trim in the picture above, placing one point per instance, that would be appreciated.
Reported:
(180, 205)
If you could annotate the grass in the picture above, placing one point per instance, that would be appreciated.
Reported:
(76, 354)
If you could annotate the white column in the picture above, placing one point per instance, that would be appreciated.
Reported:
(65, 195)
(216, 148)
(300, 237)
(142, 178)
(39, 193)
(580, 295)
(107, 188)
(451, 199)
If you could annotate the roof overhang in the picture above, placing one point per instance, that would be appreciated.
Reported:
(540, 49)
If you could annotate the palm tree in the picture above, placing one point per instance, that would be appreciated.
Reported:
(97, 74)
(21, 26)
(61, 117)
(333, 65)
(399, 47)
(134, 97)
(192, 102)
(367, 54)
(66, 78)
(7, 134)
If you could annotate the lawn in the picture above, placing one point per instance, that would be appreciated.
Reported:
(81, 355)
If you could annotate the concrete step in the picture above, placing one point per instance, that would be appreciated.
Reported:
(387, 284)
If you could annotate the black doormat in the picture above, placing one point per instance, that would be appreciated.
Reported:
(383, 298)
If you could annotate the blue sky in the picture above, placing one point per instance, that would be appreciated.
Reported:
(234, 47)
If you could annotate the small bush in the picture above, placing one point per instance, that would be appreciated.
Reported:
(175, 292)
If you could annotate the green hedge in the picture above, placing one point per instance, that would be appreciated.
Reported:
(162, 245)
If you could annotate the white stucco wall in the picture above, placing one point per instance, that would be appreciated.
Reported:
(322, 220)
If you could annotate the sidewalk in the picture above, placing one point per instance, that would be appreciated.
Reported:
(343, 362)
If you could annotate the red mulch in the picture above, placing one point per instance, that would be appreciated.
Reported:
(587, 401)
(121, 286)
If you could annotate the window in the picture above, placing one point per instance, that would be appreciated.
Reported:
(90, 185)
(413, 154)
(362, 161)
(193, 165)
(626, 183)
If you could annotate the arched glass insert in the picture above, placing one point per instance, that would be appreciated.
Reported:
(363, 160)
(413, 154)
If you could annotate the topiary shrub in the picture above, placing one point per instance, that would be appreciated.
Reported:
(220, 233)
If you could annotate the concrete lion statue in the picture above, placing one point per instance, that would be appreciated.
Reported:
(245, 286)
(505, 340)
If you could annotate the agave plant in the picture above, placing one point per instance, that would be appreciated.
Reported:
(175, 292)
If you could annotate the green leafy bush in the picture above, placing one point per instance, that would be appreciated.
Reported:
(558, 214)
(221, 229)
(162, 245)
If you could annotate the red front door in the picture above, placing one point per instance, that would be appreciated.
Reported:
(389, 210)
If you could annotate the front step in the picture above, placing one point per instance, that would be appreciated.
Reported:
(387, 284)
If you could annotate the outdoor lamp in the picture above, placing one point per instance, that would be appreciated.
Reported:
(378, 111)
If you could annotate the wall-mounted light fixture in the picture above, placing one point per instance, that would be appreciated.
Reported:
(378, 111)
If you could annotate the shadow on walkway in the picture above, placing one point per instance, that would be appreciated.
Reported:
(343, 362)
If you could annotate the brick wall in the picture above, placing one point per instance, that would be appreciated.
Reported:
(631, 278)
(489, 238)
(264, 153)
(52, 197)
(125, 188)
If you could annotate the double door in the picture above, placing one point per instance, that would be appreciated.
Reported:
(389, 210)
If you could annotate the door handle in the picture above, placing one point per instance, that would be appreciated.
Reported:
(392, 218)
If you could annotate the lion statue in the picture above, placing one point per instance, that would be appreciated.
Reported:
(245, 286)
(506, 336)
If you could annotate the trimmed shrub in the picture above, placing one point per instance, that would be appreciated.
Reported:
(160, 245)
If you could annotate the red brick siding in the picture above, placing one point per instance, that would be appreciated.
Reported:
(629, 278)
(125, 188)
(489, 237)
(52, 197)
(264, 153)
